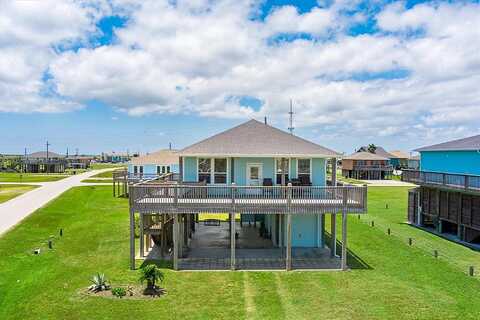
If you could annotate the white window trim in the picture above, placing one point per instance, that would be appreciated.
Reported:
(311, 168)
(212, 170)
(260, 164)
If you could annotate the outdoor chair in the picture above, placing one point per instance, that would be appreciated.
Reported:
(267, 182)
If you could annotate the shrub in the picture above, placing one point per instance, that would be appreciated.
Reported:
(99, 283)
(119, 292)
(151, 274)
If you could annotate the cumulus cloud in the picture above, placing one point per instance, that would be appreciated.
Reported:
(417, 73)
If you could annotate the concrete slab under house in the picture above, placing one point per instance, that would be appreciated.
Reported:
(251, 197)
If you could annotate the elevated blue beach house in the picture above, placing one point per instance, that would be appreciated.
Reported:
(272, 182)
(448, 199)
(154, 164)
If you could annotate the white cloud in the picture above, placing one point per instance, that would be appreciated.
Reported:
(194, 56)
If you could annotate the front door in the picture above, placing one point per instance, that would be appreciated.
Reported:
(254, 174)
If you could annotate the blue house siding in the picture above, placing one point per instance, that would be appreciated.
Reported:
(463, 162)
(319, 167)
(190, 169)
(240, 170)
(151, 169)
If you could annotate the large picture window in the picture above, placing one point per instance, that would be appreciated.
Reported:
(279, 170)
(304, 170)
(212, 170)
(204, 170)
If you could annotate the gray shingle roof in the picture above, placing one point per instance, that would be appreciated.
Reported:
(399, 154)
(161, 157)
(362, 155)
(381, 152)
(254, 138)
(43, 155)
(470, 143)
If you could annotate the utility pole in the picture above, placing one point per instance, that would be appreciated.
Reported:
(290, 113)
(67, 152)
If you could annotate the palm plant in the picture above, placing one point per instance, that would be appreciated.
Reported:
(151, 274)
(99, 283)
(372, 148)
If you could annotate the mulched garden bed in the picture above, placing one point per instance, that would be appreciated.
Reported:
(134, 292)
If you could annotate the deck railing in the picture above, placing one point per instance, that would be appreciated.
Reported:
(373, 167)
(447, 180)
(180, 198)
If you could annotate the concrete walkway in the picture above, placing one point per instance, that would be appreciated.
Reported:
(16, 209)
(388, 183)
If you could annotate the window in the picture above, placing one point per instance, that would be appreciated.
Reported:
(158, 170)
(220, 171)
(212, 170)
(304, 169)
(168, 169)
(135, 170)
(279, 170)
(141, 170)
(163, 169)
(204, 169)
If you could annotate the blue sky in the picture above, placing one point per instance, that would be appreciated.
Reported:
(117, 77)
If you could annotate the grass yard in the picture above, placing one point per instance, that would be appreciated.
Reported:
(10, 191)
(100, 165)
(98, 180)
(106, 174)
(400, 281)
(29, 177)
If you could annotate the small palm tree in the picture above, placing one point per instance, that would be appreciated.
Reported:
(151, 274)
(372, 148)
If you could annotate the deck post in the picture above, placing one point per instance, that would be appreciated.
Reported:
(232, 241)
(344, 228)
(175, 241)
(334, 172)
(344, 239)
(132, 239)
(114, 187)
(162, 235)
(142, 236)
(232, 229)
(333, 235)
(289, 228)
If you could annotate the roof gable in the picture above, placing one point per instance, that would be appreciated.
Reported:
(161, 157)
(254, 138)
(363, 155)
(43, 154)
(470, 143)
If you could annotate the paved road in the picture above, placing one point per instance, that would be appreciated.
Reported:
(388, 183)
(16, 209)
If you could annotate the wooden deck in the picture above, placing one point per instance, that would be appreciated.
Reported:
(459, 182)
(247, 200)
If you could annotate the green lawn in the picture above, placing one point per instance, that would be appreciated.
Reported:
(106, 174)
(95, 166)
(10, 191)
(29, 177)
(98, 180)
(400, 281)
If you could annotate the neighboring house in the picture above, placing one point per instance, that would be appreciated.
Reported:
(79, 162)
(399, 159)
(272, 181)
(414, 162)
(448, 199)
(366, 166)
(154, 164)
(44, 162)
(115, 157)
